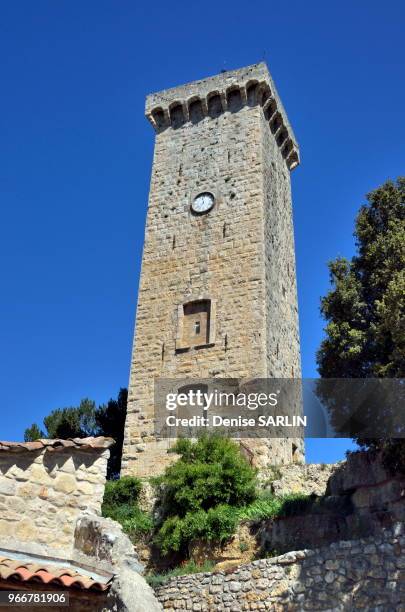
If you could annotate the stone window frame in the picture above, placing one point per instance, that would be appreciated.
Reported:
(180, 345)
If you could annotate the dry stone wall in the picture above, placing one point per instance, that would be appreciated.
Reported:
(43, 492)
(365, 574)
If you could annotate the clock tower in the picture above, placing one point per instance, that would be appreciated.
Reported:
(217, 295)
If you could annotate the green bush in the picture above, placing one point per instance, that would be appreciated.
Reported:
(123, 491)
(271, 507)
(133, 520)
(216, 524)
(201, 491)
(220, 523)
(298, 503)
(210, 471)
(120, 503)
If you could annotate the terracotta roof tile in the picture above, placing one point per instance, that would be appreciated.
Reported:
(19, 571)
(58, 444)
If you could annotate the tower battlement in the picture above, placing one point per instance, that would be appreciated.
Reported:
(228, 91)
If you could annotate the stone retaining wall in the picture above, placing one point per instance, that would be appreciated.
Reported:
(364, 574)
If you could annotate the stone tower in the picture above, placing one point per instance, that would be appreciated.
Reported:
(217, 294)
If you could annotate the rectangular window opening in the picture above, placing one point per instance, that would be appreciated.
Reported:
(195, 328)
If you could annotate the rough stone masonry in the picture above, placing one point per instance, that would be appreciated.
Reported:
(217, 294)
(52, 536)
(44, 487)
(365, 574)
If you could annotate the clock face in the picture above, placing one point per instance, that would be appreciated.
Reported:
(203, 202)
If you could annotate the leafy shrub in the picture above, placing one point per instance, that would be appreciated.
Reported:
(297, 503)
(169, 536)
(133, 520)
(120, 503)
(220, 523)
(190, 567)
(210, 471)
(216, 524)
(126, 490)
(201, 491)
(271, 507)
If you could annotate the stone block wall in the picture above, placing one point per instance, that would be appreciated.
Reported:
(240, 147)
(44, 487)
(365, 574)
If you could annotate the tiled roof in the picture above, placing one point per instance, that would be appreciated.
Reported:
(54, 445)
(13, 570)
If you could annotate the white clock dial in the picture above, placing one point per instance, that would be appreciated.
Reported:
(203, 202)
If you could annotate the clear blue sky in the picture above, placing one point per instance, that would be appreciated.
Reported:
(75, 158)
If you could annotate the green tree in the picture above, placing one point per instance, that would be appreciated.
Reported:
(73, 422)
(88, 420)
(110, 420)
(33, 433)
(364, 310)
(365, 334)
